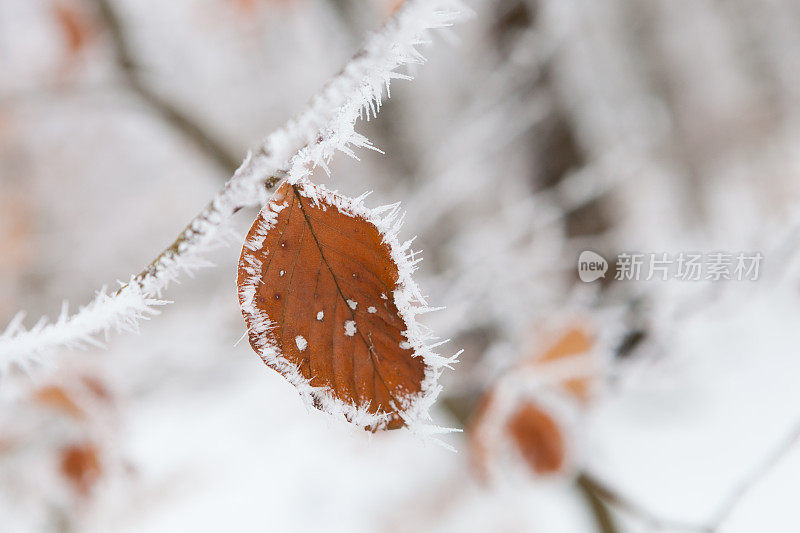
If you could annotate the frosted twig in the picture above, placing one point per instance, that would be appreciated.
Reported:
(326, 125)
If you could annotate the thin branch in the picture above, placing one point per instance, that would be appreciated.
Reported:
(615, 499)
(755, 476)
(602, 516)
(181, 122)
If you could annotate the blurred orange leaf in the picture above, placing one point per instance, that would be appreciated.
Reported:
(75, 25)
(575, 342)
(81, 466)
(57, 398)
(530, 430)
(538, 439)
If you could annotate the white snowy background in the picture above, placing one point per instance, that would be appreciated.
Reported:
(536, 130)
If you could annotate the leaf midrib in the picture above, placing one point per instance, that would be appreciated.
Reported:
(369, 345)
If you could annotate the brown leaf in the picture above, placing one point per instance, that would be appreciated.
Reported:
(317, 281)
(537, 438)
(81, 466)
(503, 421)
(575, 342)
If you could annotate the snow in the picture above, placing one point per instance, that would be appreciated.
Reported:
(120, 312)
(371, 309)
(401, 35)
(301, 342)
(350, 328)
(353, 304)
(320, 315)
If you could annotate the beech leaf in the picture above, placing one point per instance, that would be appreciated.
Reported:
(328, 300)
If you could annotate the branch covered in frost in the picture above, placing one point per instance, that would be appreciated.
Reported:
(384, 52)
(308, 140)
(120, 311)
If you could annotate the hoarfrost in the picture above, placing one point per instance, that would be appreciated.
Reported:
(301, 342)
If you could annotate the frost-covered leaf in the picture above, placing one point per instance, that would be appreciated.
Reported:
(327, 296)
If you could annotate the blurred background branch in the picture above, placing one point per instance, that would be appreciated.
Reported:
(179, 120)
(595, 498)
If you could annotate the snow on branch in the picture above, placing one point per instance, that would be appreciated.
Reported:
(308, 140)
(384, 52)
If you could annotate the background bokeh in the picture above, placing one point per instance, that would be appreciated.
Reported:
(536, 130)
